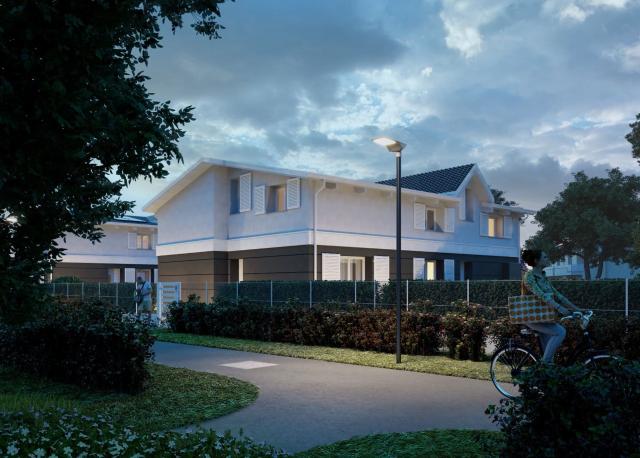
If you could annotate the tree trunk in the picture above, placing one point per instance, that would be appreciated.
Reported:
(600, 266)
(587, 268)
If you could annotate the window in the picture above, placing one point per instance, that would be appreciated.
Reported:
(114, 275)
(431, 270)
(431, 219)
(277, 199)
(234, 195)
(351, 268)
(468, 205)
(492, 226)
(142, 242)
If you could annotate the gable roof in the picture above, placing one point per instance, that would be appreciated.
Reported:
(436, 181)
(134, 219)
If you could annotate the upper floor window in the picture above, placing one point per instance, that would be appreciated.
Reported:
(277, 198)
(433, 219)
(140, 241)
(494, 225)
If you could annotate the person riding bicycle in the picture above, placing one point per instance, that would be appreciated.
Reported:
(535, 280)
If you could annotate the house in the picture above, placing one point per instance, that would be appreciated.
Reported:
(126, 252)
(573, 267)
(222, 221)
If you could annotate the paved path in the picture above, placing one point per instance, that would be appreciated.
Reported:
(304, 403)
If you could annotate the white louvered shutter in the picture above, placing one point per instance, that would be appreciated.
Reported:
(129, 275)
(330, 266)
(462, 207)
(293, 193)
(419, 216)
(449, 269)
(449, 219)
(132, 240)
(418, 269)
(381, 268)
(484, 224)
(245, 193)
(507, 228)
(156, 279)
(259, 193)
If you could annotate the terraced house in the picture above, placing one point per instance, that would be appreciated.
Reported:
(224, 221)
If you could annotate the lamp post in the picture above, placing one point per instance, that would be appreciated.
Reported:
(396, 147)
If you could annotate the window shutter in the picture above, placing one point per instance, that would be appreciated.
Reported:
(381, 268)
(449, 219)
(419, 215)
(293, 193)
(449, 269)
(462, 207)
(507, 229)
(259, 199)
(330, 266)
(484, 224)
(418, 268)
(129, 275)
(133, 241)
(156, 279)
(245, 193)
(152, 240)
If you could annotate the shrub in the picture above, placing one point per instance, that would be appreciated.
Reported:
(60, 433)
(573, 411)
(465, 330)
(357, 328)
(68, 279)
(94, 347)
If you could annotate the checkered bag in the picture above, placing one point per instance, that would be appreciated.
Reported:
(530, 309)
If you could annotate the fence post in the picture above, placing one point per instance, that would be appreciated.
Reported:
(375, 290)
(271, 293)
(237, 292)
(82, 291)
(407, 295)
(99, 296)
(117, 285)
(310, 293)
(206, 292)
(467, 291)
(355, 292)
(626, 297)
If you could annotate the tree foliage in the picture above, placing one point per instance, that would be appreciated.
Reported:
(592, 218)
(77, 122)
(633, 137)
(500, 199)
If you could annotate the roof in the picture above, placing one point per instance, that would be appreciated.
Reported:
(134, 219)
(436, 181)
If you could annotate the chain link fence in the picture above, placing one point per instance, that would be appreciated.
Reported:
(118, 294)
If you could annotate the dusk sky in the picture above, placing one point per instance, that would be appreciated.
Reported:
(531, 91)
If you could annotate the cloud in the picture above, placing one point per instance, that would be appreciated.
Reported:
(628, 57)
(580, 10)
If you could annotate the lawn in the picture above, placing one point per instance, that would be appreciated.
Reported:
(175, 397)
(440, 443)
(438, 364)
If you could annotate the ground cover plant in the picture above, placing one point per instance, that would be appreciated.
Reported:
(573, 411)
(174, 397)
(69, 434)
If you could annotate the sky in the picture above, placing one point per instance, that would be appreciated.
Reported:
(532, 91)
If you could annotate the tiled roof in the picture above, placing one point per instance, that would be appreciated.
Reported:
(150, 220)
(436, 181)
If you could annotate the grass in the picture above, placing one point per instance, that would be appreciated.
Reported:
(174, 398)
(440, 443)
(438, 364)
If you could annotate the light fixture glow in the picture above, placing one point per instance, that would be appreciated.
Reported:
(392, 145)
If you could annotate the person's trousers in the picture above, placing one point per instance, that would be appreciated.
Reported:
(551, 336)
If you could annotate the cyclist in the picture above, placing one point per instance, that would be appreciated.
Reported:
(551, 334)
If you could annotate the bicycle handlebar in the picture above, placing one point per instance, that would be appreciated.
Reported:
(583, 317)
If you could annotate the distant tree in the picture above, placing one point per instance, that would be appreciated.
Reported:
(633, 137)
(77, 123)
(500, 199)
(592, 218)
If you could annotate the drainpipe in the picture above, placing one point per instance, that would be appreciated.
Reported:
(315, 229)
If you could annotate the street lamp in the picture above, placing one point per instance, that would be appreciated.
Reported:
(396, 147)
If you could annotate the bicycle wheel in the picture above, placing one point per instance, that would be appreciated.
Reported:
(600, 361)
(507, 365)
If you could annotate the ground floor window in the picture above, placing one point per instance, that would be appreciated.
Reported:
(351, 268)
(431, 270)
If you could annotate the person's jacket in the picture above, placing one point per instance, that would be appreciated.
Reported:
(539, 284)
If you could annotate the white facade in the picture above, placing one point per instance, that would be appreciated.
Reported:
(572, 266)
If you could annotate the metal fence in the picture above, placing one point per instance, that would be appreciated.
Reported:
(119, 294)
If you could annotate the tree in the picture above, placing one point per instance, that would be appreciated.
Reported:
(592, 218)
(633, 137)
(500, 199)
(77, 122)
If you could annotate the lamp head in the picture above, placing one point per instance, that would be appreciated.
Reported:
(393, 146)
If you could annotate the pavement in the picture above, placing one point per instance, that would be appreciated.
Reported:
(304, 403)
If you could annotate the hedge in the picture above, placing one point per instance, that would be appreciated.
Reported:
(573, 412)
(361, 329)
(69, 434)
(596, 294)
(89, 345)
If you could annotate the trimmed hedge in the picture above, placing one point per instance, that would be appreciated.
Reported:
(615, 334)
(66, 434)
(465, 330)
(574, 412)
(92, 346)
(361, 329)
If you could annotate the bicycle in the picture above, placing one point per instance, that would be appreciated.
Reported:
(512, 359)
